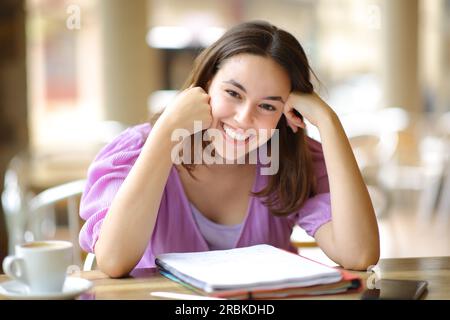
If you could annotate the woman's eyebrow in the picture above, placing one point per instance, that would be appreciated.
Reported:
(275, 98)
(240, 86)
(236, 84)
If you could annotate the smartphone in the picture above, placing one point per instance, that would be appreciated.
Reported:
(396, 290)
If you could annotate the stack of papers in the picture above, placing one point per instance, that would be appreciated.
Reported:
(256, 272)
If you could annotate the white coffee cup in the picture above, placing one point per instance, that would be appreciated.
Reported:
(40, 265)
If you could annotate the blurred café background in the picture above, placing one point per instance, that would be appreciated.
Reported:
(74, 74)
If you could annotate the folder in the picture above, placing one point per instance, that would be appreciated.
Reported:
(255, 272)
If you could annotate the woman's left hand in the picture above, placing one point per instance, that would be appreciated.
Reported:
(309, 105)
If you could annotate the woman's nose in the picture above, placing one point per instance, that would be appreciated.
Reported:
(244, 115)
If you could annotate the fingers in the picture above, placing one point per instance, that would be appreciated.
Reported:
(292, 126)
(294, 120)
(300, 123)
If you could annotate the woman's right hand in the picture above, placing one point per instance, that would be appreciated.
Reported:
(188, 106)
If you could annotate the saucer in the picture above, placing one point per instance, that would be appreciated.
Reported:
(73, 287)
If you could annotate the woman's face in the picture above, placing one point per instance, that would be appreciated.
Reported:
(248, 94)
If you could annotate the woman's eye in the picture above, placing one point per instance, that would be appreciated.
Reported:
(267, 107)
(232, 93)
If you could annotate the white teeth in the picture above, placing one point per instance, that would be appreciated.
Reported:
(235, 135)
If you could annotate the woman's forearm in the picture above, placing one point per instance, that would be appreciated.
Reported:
(128, 226)
(354, 226)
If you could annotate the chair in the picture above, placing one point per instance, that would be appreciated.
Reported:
(374, 140)
(89, 262)
(32, 217)
(44, 203)
(69, 192)
(427, 174)
(373, 136)
(443, 205)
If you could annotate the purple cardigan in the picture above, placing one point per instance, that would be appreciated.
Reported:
(175, 229)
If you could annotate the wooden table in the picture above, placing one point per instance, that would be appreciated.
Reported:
(435, 270)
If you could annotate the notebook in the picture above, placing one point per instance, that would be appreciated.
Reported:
(260, 271)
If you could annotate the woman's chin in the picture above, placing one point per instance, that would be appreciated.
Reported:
(230, 157)
(230, 154)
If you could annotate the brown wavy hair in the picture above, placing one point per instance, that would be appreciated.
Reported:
(294, 182)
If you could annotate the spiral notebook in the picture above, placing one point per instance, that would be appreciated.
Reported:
(260, 271)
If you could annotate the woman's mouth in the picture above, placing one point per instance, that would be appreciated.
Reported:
(235, 136)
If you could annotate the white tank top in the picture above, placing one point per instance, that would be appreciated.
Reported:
(217, 236)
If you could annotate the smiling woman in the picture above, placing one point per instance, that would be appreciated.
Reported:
(249, 73)
(246, 91)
